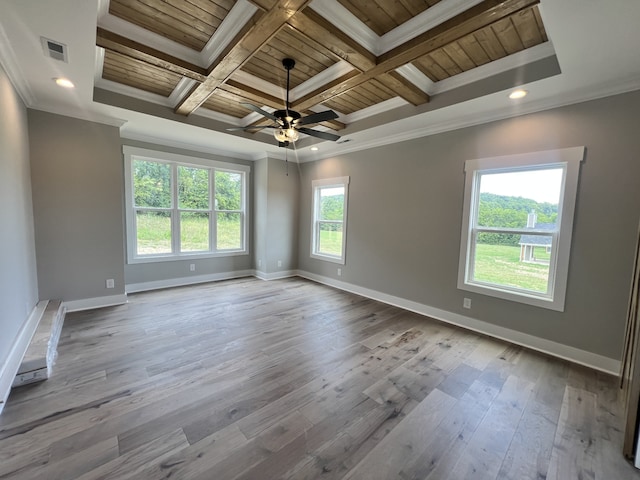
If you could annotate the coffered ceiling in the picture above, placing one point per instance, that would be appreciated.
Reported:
(182, 68)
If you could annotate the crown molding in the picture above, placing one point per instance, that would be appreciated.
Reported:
(167, 142)
(563, 99)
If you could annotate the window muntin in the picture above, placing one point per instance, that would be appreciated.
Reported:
(517, 222)
(329, 219)
(181, 206)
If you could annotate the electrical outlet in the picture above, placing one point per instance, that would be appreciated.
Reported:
(466, 303)
(111, 283)
(339, 272)
(192, 267)
(279, 263)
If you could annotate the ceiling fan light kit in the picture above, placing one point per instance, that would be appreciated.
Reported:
(288, 123)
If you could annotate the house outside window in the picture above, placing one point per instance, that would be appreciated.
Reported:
(328, 238)
(517, 226)
(180, 206)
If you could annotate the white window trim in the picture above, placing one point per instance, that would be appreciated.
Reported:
(329, 182)
(164, 157)
(569, 159)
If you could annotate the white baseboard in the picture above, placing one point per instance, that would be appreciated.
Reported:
(275, 275)
(182, 281)
(11, 365)
(96, 302)
(575, 355)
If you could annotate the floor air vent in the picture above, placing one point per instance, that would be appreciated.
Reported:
(55, 50)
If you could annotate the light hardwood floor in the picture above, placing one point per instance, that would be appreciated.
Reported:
(246, 379)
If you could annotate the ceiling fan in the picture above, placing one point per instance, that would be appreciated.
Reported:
(289, 123)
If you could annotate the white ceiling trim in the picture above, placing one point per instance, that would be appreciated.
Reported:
(381, 107)
(515, 60)
(239, 15)
(221, 117)
(184, 85)
(99, 65)
(346, 21)
(133, 92)
(259, 84)
(415, 76)
(141, 137)
(330, 74)
(430, 18)
(146, 37)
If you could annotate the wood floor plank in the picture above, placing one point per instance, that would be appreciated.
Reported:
(289, 379)
(574, 447)
(406, 441)
(490, 442)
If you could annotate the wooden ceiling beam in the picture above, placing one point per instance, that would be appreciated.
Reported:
(312, 25)
(474, 19)
(319, 31)
(132, 49)
(252, 40)
(403, 87)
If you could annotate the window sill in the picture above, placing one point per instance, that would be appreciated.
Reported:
(185, 256)
(556, 304)
(328, 258)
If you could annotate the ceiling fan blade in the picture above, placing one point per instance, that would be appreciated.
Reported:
(250, 127)
(260, 111)
(315, 133)
(318, 117)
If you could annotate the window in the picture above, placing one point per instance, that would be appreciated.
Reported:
(181, 206)
(517, 226)
(330, 219)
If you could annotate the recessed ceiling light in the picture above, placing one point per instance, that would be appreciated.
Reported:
(64, 82)
(517, 94)
(314, 149)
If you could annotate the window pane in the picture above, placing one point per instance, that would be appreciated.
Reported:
(193, 188)
(228, 191)
(330, 239)
(331, 203)
(153, 230)
(194, 232)
(229, 231)
(151, 184)
(517, 261)
(527, 198)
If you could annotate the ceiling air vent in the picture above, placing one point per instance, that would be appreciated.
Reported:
(55, 50)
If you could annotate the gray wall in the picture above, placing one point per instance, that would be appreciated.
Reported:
(158, 271)
(18, 282)
(282, 220)
(76, 169)
(405, 209)
(260, 196)
(276, 221)
(277, 197)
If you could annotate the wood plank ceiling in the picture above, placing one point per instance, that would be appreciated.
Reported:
(249, 69)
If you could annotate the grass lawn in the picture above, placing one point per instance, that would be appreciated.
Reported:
(500, 264)
(154, 233)
(330, 242)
